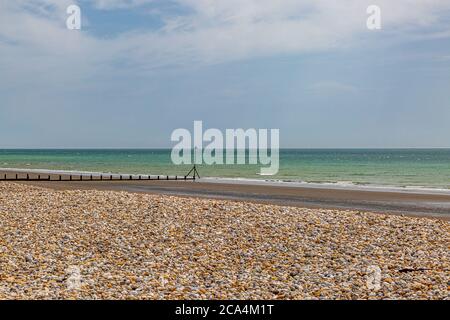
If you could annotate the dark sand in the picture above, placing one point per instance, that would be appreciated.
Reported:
(390, 202)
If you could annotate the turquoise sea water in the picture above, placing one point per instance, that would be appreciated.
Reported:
(428, 168)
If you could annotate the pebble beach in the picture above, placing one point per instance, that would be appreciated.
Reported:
(92, 244)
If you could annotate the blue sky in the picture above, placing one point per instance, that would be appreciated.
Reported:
(139, 69)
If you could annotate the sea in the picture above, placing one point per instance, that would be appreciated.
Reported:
(399, 168)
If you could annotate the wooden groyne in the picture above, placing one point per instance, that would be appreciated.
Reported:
(81, 177)
(15, 176)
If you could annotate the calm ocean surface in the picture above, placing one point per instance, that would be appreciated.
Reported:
(429, 168)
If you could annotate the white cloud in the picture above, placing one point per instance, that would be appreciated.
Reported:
(119, 4)
(215, 31)
(211, 31)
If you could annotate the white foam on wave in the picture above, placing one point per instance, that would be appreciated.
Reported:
(344, 185)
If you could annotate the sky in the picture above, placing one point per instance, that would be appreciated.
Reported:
(139, 69)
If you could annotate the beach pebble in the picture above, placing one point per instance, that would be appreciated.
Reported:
(116, 245)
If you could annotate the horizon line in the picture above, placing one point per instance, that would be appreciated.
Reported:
(169, 148)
